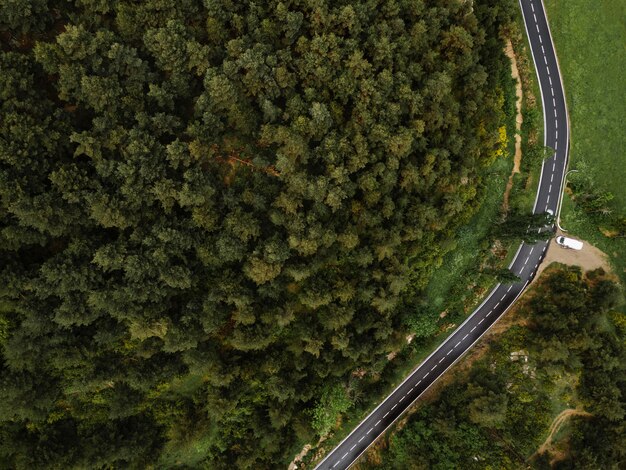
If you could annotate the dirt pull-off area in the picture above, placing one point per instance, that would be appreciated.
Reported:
(589, 258)
(518, 121)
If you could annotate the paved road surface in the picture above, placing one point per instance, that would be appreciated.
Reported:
(525, 263)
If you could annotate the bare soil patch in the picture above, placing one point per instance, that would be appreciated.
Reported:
(589, 258)
(294, 463)
(518, 121)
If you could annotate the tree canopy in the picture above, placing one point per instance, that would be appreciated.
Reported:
(210, 212)
(564, 351)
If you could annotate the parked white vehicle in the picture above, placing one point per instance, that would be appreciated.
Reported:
(569, 243)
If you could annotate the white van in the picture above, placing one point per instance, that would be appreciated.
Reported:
(569, 243)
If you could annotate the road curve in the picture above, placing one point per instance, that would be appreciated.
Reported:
(525, 263)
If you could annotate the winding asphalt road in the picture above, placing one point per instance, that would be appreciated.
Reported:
(525, 263)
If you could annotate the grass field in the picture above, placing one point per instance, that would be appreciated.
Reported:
(470, 240)
(590, 39)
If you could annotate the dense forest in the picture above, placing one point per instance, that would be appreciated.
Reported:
(566, 350)
(212, 213)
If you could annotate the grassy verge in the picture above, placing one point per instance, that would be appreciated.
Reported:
(448, 289)
(526, 182)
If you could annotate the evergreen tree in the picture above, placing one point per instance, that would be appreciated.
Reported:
(210, 211)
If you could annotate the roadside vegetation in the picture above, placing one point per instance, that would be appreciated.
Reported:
(483, 247)
(526, 181)
(481, 252)
(592, 59)
(549, 392)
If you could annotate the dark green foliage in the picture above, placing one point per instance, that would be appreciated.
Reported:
(536, 154)
(505, 276)
(588, 195)
(333, 402)
(595, 202)
(498, 417)
(210, 213)
(529, 227)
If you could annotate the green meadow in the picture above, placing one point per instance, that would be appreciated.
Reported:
(590, 40)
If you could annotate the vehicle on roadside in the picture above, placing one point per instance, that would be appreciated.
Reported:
(569, 243)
